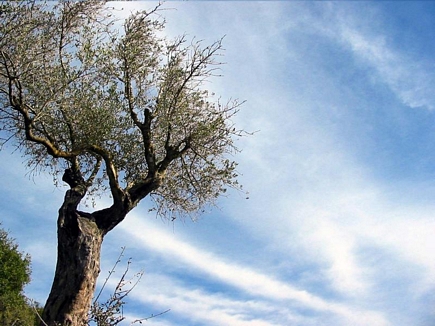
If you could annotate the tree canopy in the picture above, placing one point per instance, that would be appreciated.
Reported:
(110, 105)
(118, 108)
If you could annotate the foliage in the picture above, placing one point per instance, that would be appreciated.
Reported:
(111, 106)
(75, 92)
(14, 275)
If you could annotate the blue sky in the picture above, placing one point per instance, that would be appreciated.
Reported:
(340, 222)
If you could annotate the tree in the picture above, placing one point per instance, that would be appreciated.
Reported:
(109, 110)
(14, 275)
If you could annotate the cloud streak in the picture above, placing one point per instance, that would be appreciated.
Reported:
(408, 76)
(323, 239)
(245, 279)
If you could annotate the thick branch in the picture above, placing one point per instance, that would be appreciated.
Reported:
(17, 103)
(149, 149)
(73, 178)
(129, 92)
(112, 173)
(145, 126)
(94, 172)
(143, 188)
(173, 152)
(29, 128)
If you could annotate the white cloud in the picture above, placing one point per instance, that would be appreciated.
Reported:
(313, 204)
(211, 308)
(408, 235)
(407, 76)
(409, 79)
(245, 279)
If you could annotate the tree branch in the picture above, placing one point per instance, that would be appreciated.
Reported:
(173, 152)
(112, 173)
(198, 62)
(143, 188)
(145, 129)
(145, 126)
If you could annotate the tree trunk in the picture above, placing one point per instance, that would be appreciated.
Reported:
(78, 266)
(80, 236)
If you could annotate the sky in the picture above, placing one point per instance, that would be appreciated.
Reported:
(339, 226)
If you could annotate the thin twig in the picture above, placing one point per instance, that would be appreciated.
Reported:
(148, 318)
(110, 274)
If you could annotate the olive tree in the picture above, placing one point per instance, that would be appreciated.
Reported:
(111, 108)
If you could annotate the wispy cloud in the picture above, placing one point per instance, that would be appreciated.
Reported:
(243, 278)
(211, 308)
(408, 76)
(328, 242)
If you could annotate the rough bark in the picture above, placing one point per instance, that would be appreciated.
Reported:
(76, 274)
(78, 265)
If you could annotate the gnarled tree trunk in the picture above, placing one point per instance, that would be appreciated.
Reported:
(78, 264)
(80, 236)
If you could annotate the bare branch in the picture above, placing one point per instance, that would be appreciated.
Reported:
(150, 317)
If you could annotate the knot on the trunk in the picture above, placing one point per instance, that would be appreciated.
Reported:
(73, 178)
